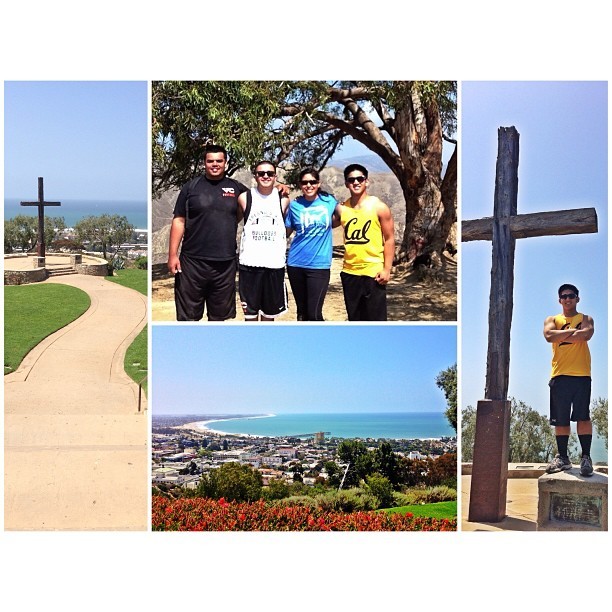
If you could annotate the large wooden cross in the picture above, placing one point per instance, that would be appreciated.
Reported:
(40, 248)
(491, 446)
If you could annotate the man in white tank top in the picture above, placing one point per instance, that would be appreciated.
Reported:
(262, 248)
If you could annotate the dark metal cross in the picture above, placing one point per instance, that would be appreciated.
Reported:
(490, 463)
(40, 248)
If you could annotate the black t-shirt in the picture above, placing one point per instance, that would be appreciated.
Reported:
(209, 208)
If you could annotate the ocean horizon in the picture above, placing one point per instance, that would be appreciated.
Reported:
(74, 210)
(396, 425)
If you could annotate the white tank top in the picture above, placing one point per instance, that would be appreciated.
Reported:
(264, 239)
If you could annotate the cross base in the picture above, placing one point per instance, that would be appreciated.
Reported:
(38, 262)
(490, 464)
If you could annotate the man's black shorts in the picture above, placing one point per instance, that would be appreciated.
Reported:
(364, 298)
(262, 291)
(570, 399)
(205, 282)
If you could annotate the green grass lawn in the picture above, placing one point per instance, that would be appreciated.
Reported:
(132, 278)
(33, 312)
(136, 357)
(439, 510)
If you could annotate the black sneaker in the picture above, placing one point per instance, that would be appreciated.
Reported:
(558, 464)
(586, 466)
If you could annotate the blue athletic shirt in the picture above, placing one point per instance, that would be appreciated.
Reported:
(312, 221)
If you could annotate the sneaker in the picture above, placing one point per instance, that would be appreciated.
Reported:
(558, 464)
(586, 466)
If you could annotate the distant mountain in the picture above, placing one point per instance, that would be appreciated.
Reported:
(372, 162)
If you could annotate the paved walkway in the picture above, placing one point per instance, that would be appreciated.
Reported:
(521, 507)
(75, 444)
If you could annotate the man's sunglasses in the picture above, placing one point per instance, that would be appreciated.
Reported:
(304, 183)
(568, 296)
(262, 173)
(355, 179)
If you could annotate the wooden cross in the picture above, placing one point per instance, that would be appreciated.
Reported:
(490, 463)
(40, 248)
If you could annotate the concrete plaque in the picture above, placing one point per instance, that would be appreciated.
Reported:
(581, 509)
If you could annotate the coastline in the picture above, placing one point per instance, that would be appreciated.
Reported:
(204, 427)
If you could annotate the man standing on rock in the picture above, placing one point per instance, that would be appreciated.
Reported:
(570, 383)
(369, 243)
(206, 218)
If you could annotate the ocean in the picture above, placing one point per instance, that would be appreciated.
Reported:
(75, 210)
(407, 425)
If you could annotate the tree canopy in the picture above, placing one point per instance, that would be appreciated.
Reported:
(233, 482)
(532, 439)
(447, 381)
(297, 124)
(21, 232)
(104, 231)
(599, 416)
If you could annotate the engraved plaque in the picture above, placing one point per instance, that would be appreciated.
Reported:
(584, 509)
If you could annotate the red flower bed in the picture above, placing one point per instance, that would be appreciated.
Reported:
(201, 514)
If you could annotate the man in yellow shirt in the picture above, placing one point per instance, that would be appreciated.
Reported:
(369, 244)
(570, 383)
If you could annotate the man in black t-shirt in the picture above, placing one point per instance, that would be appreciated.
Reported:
(206, 218)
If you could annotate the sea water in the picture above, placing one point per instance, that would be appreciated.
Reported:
(74, 210)
(406, 425)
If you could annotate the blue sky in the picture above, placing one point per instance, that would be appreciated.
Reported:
(87, 139)
(563, 164)
(295, 369)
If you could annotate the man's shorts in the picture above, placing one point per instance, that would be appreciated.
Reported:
(262, 291)
(570, 399)
(205, 282)
(364, 298)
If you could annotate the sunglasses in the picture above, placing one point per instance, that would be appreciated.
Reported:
(568, 296)
(262, 173)
(355, 179)
(303, 183)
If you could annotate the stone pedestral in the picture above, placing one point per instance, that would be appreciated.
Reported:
(568, 501)
(490, 465)
(38, 262)
(76, 258)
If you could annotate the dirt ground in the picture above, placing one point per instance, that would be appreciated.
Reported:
(408, 298)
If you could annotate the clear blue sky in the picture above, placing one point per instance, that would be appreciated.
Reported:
(296, 369)
(87, 139)
(563, 163)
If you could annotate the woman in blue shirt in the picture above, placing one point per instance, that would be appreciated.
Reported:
(311, 215)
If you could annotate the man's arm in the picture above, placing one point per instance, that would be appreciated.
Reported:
(336, 215)
(386, 224)
(284, 206)
(586, 330)
(242, 204)
(177, 230)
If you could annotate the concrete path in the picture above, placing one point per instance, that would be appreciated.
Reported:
(76, 453)
(521, 507)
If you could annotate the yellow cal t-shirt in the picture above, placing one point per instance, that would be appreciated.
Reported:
(363, 239)
(570, 359)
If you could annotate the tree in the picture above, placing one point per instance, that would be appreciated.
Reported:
(303, 123)
(532, 439)
(360, 460)
(382, 489)
(386, 463)
(105, 231)
(21, 232)
(233, 482)
(599, 417)
(447, 381)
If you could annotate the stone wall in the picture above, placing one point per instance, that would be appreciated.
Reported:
(92, 269)
(23, 277)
